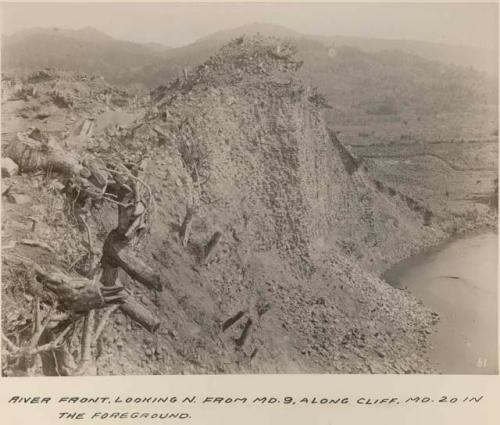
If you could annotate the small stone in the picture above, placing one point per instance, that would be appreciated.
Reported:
(9, 168)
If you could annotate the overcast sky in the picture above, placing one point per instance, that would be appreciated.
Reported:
(178, 24)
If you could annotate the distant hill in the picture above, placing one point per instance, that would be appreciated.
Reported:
(391, 82)
(480, 59)
(364, 80)
(360, 77)
(85, 50)
(90, 50)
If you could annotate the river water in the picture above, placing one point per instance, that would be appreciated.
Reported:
(458, 280)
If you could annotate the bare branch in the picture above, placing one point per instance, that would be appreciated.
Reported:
(103, 321)
(40, 329)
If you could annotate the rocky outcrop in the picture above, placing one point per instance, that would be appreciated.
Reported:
(304, 229)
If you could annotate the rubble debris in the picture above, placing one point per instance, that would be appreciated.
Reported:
(34, 243)
(37, 135)
(23, 92)
(9, 168)
(5, 191)
(56, 186)
(83, 131)
(37, 344)
(19, 199)
(61, 99)
(41, 76)
(9, 245)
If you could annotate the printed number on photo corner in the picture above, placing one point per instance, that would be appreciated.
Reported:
(481, 362)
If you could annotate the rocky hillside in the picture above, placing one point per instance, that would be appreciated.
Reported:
(289, 232)
(63, 104)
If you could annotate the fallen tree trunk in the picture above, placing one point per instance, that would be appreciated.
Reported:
(80, 294)
(117, 252)
(130, 307)
(33, 155)
(140, 314)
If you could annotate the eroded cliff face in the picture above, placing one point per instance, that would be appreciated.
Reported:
(304, 228)
(298, 229)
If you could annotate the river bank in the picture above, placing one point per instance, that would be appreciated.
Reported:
(457, 279)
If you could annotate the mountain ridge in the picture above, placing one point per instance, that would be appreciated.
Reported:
(481, 59)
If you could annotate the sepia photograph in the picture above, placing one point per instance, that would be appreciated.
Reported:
(249, 188)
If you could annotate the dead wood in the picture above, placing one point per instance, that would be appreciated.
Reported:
(87, 364)
(232, 320)
(7, 189)
(117, 252)
(42, 342)
(112, 181)
(130, 307)
(79, 294)
(140, 314)
(103, 321)
(38, 244)
(185, 230)
(208, 249)
(244, 335)
(35, 155)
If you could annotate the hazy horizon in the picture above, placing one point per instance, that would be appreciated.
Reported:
(183, 23)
